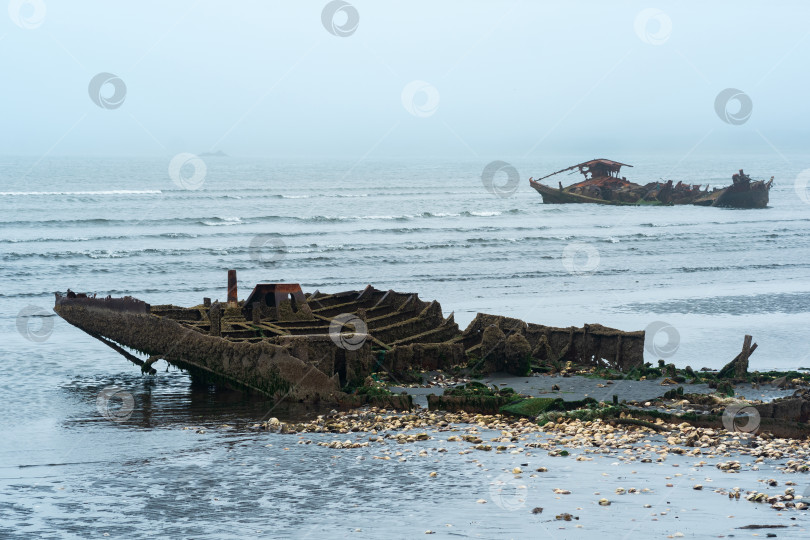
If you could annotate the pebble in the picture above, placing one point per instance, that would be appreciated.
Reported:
(380, 428)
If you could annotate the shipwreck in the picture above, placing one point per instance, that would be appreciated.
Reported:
(604, 185)
(315, 347)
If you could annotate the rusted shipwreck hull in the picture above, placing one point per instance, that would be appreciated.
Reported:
(309, 347)
(743, 193)
(603, 185)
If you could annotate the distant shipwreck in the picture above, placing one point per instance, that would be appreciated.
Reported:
(603, 185)
(290, 345)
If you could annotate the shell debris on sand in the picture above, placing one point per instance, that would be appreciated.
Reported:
(731, 452)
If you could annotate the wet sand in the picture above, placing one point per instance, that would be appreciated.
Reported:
(192, 472)
(494, 493)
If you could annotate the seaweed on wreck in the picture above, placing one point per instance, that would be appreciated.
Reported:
(725, 388)
(615, 414)
(529, 407)
(532, 407)
(474, 397)
(705, 376)
(583, 414)
(371, 391)
(474, 388)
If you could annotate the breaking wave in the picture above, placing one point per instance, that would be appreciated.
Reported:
(108, 192)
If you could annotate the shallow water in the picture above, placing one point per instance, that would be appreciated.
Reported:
(121, 227)
(226, 482)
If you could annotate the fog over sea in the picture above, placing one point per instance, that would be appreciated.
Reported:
(121, 227)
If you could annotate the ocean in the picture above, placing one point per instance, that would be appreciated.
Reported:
(122, 226)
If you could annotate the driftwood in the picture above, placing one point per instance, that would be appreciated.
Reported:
(738, 368)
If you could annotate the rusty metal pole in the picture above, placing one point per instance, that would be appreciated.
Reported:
(232, 298)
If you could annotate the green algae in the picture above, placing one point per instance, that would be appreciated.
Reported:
(583, 414)
(529, 407)
(532, 407)
(474, 388)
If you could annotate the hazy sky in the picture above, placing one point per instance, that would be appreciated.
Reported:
(500, 79)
